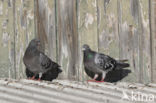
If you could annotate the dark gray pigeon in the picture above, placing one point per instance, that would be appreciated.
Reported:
(99, 63)
(37, 62)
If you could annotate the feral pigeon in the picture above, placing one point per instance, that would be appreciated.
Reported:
(37, 62)
(99, 63)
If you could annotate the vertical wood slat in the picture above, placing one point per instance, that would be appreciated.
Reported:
(46, 26)
(14, 32)
(133, 29)
(67, 36)
(24, 31)
(146, 57)
(41, 29)
(7, 39)
(108, 27)
(153, 37)
(18, 28)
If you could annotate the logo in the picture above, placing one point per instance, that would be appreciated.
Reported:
(125, 96)
(138, 96)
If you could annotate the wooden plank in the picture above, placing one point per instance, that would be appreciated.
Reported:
(67, 37)
(40, 14)
(134, 38)
(24, 31)
(87, 30)
(144, 14)
(108, 27)
(153, 38)
(46, 26)
(7, 39)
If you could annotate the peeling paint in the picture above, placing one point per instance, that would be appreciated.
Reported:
(1, 9)
(5, 39)
(105, 39)
(94, 3)
(134, 9)
(5, 23)
(88, 19)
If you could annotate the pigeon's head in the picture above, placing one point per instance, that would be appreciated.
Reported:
(35, 43)
(85, 47)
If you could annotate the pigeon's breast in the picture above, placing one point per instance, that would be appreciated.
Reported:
(33, 65)
(91, 65)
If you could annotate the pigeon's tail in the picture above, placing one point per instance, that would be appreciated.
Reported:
(121, 64)
(59, 70)
(57, 67)
(123, 60)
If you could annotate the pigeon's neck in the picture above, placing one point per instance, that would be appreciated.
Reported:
(31, 51)
(88, 54)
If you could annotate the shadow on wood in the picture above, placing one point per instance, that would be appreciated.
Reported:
(112, 76)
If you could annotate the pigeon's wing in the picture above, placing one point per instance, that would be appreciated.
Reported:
(45, 61)
(104, 62)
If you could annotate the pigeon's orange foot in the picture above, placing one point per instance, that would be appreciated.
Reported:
(32, 78)
(99, 81)
(95, 81)
(91, 80)
(39, 79)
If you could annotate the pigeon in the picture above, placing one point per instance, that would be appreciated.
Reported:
(99, 63)
(37, 62)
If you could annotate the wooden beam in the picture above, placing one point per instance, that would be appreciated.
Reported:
(67, 37)
(153, 38)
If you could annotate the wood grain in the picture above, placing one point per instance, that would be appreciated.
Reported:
(153, 38)
(67, 37)
(7, 62)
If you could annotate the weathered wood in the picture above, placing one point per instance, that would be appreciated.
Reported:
(46, 26)
(7, 40)
(108, 27)
(17, 30)
(24, 31)
(153, 37)
(133, 29)
(41, 29)
(144, 14)
(67, 37)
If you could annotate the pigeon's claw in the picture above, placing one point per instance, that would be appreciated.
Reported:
(95, 81)
(99, 81)
(39, 79)
(91, 80)
(32, 78)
